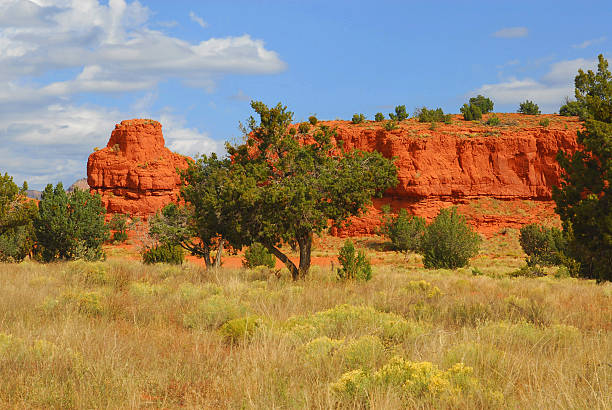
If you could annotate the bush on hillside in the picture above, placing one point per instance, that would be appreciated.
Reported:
(485, 104)
(400, 113)
(493, 120)
(172, 254)
(258, 255)
(543, 246)
(405, 231)
(544, 122)
(529, 108)
(379, 117)
(390, 125)
(449, 242)
(303, 128)
(313, 120)
(354, 264)
(358, 118)
(426, 115)
(471, 112)
(571, 109)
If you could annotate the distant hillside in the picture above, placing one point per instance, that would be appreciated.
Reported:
(81, 183)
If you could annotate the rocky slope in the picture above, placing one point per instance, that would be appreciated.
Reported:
(135, 173)
(511, 165)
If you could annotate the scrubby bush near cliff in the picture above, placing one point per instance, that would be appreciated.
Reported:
(405, 231)
(390, 125)
(354, 265)
(426, 115)
(70, 226)
(313, 120)
(544, 122)
(571, 109)
(118, 224)
(583, 198)
(379, 117)
(483, 103)
(529, 108)
(258, 255)
(164, 253)
(471, 112)
(17, 214)
(358, 118)
(493, 120)
(543, 246)
(400, 113)
(449, 242)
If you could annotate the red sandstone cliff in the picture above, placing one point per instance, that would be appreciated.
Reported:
(135, 173)
(457, 164)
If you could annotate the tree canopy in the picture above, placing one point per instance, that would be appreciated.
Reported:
(16, 215)
(584, 198)
(289, 185)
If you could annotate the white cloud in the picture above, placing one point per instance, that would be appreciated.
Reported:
(511, 32)
(240, 96)
(53, 51)
(197, 19)
(548, 91)
(588, 43)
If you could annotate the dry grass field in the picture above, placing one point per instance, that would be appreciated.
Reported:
(119, 334)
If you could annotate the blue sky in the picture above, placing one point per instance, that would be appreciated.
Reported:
(71, 69)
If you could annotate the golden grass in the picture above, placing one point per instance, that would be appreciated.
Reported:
(121, 334)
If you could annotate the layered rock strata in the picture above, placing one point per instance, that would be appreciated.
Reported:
(135, 173)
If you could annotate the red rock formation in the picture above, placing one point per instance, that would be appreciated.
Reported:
(135, 173)
(456, 164)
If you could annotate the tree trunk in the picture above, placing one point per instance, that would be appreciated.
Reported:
(305, 244)
(295, 273)
(219, 253)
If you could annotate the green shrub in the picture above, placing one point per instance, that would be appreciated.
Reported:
(485, 104)
(303, 128)
(239, 329)
(70, 226)
(571, 109)
(358, 118)
(363, 352)
(449, 242)
(258, 255)
(471, 112)
(379, 117)
(427, 115)
(313, 120)
(354, 266)
(118, 224)
(543, 246)
(493, 120)
(164, 253)
(405, 231)
(390, 125)
(17, 215)
(544, 122)
(400, 113)
(529, 108)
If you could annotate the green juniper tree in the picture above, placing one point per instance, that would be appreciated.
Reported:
(16, 221)
(288, 186)
(70, 226)
(584, 198)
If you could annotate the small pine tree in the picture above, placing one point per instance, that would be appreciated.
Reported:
(405, 231)
(426, 115)
(313, 120)
(449, 242)
(543, 246)
(379, 117)
(354, 265)
(485, 104)
(529, 108)
(571, 109)
(471, 112)
(400, 113)
(17, 214)
(358, 118)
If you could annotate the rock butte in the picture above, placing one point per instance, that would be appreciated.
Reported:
(135, 173)
(499, 176)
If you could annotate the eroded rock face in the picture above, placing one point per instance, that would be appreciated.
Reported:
(457, 164)
(135, 173)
